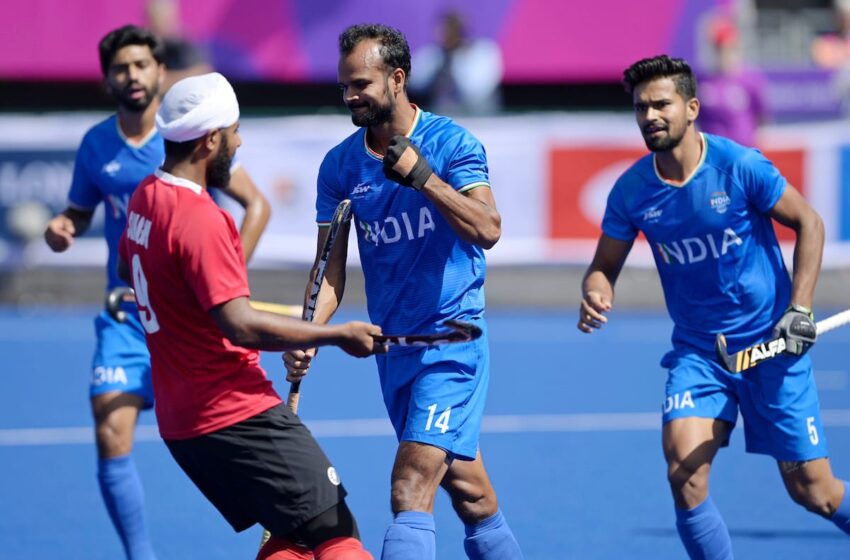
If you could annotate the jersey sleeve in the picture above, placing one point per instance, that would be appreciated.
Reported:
(84, 193)
(210, 258)
(761, 180)
(616, 222)
(329, 190)
(468, 166)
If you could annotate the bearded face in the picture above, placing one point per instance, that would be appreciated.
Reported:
(133, 78)
(662, 114)
(218, 172)
(365, 79)
(372, 112)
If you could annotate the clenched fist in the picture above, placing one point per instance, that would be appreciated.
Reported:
(405, 165)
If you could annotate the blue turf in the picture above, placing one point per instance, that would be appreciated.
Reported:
(588, 495)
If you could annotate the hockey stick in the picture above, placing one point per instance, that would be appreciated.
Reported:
(341, 215)
(749, 357)
(114, 299)
(460, 331)
(124, 294)
(279, 308)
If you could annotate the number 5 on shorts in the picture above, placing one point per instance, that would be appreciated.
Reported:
(813, 430)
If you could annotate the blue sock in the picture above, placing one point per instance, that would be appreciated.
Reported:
(703, 532)
(122, 494)
(841, 517)
(412, 535)
(491, 539)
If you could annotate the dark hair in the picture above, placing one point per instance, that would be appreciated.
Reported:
(180, 150)
(394, 48)
(122, 37)
(649, 69)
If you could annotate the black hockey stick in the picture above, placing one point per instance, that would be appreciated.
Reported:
(460, 331)
(341, 215)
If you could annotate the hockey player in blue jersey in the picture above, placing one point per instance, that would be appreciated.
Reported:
(115, 155)
(706, 205)
(423, 212)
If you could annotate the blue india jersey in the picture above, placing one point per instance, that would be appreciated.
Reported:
(108, 169)
(418, 272)
(712, 239)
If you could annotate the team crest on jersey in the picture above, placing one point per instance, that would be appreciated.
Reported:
(652, 215)
(112, 168)
(720, 202)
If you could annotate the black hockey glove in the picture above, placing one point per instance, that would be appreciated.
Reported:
(405, 165)
(798, 329)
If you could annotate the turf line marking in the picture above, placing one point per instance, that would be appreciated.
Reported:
(378, 427)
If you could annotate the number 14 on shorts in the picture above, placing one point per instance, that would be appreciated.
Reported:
(442, 421)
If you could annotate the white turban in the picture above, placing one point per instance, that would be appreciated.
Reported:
(196, 105)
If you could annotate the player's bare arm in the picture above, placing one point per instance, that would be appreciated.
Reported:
(250, 328)
(243, 190)
(472, 214)
(598, 285)
(297, 362)
(794, 212)
(65, 226)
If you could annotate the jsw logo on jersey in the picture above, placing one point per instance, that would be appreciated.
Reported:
(362, 188)
(692, 250)
(766, 350)
(652, 215)
(394, 229)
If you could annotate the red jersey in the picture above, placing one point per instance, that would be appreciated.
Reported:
(185, 257)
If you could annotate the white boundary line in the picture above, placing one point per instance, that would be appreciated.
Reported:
(379, 427)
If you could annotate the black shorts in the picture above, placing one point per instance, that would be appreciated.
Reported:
(267, 469)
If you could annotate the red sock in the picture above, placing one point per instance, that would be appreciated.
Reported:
(281, 549)
(342, 548)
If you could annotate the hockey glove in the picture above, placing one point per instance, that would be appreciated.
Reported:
(405, 165)
(797, 327)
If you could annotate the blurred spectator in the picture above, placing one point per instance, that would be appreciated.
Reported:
(457, 75)
(832, 51)
(182, 57)
(732, 96)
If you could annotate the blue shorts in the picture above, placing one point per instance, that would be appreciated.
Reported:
(121, 360)
(436, 396)
(778, 401)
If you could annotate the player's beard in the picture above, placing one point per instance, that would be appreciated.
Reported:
(376, 115)
(135, 105)
(218, 173)
(665, 142)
